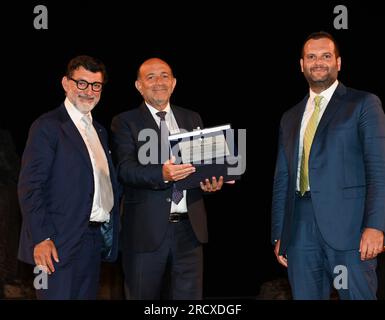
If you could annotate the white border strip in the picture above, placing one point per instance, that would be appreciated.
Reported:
(198, 132)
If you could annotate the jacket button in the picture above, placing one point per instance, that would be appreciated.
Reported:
(168, 199)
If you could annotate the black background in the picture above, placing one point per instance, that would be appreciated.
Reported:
(235, 63)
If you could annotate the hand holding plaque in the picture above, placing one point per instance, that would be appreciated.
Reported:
(208, 150)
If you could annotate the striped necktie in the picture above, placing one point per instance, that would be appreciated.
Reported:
(307, 142)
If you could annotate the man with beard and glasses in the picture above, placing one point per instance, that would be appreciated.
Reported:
(66, 190)
(328, 209)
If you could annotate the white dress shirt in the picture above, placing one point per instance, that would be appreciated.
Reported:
(97, 212)
(172, 128)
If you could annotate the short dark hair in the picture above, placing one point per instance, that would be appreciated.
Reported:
(320, 35)
(89, 63)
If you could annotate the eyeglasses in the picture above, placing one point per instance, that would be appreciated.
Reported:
(83, 85)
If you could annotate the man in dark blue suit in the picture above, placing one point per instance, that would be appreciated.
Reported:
(66, 190)
(328, 209)
(162, 228)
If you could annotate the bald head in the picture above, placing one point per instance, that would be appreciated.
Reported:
(155, 82)
(151, 63)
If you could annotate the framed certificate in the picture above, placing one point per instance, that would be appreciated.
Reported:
(210, 150)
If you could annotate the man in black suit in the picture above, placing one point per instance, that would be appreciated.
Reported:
(68, 190)
(163, 228)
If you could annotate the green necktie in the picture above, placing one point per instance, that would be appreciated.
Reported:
(307, 141)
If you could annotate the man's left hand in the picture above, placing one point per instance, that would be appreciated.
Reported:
(214, 185)
(372, 243)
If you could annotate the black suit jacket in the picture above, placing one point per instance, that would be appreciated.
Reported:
(147, 198)
(56, 188)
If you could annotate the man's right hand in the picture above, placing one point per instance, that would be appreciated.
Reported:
(281, 259)
(175, 172)
(42, 254)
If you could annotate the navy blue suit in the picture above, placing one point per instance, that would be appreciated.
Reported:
(56, 188)
(346, 173)
(146, 230)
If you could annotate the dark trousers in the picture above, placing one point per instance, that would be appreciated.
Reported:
(314, 267)
(173, 271)
(79, 278)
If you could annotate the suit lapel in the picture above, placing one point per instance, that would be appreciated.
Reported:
(331, 109)
(74, 136)
(150, 123)
(102, 137)
(294, 130)
(181, 119)
(148, 119)
(104, 142)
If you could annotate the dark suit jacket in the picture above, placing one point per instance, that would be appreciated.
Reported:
(346, 169)
(147, 198)
(56, 188)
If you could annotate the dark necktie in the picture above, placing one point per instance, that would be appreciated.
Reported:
(177, 195)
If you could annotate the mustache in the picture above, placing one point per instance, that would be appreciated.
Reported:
(85, 96)
(319, 68)
(160, 87)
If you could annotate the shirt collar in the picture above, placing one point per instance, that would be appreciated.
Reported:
(154, 110)
(74, 113)
(327, 94)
